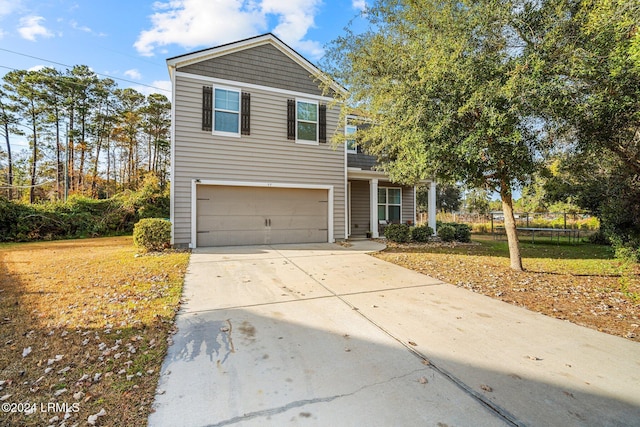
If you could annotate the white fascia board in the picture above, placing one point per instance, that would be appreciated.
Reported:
(247, 86)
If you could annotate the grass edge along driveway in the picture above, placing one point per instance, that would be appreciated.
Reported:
(84, 326)
(581, 283)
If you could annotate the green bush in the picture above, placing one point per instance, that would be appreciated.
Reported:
(152, 234)
(447, 233)
(421, 234)
(81, 216)
(400, 233)
(599, 238)
(463, 232)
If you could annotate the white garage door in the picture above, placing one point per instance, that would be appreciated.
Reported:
(229, 215)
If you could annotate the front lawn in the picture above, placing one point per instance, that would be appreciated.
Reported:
(83, 330)
(581, 283)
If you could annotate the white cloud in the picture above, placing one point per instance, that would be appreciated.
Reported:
(76, 26)
(192, 23)
(36, 68)
(359, 4)
(8, 6)
(295, 17)
(133, 74)
(31, 27)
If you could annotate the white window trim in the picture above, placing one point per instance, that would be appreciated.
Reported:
(346, 145)
(214, 109)
(387, 204)
(317, 122)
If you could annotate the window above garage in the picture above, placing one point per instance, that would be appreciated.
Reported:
(226, 111)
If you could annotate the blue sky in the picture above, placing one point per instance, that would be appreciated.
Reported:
(130, 40)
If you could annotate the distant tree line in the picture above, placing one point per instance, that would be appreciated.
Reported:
(86, 136)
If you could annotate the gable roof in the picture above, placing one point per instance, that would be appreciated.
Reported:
(268, 38)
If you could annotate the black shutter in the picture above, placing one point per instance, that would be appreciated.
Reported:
(322, 123)
(207, 107)
(291, 119)
(245, 115)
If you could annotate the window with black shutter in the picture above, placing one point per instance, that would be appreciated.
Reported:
(245, 124)
(291, 119)
(207, 107)
(322, 123)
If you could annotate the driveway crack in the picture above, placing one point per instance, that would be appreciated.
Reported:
(304, 402)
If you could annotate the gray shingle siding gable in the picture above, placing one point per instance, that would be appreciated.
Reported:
(361, 161)
(263, 65)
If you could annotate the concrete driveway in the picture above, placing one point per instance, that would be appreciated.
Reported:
(330, 336)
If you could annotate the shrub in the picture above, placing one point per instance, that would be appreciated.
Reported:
(152, 234)
(422, 233)
(599, 238)
(463, 232)
(447, 233)
(399, 233)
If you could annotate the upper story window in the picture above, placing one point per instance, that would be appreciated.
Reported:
(226, 111)
(350, 143)
(306, 121)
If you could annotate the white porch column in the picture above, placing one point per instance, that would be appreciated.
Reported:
(432, 206)
(373, 206)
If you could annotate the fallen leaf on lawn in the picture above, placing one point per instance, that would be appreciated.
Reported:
(5, 397)
(26, 352)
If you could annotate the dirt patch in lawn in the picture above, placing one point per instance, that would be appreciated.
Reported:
(581, 283)
(83, 330)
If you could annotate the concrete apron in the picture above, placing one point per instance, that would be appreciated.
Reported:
(325, 335)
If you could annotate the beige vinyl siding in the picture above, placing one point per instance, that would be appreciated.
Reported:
(407, 204)
(264, 156)
(360, 212)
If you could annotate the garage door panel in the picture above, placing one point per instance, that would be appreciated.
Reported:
(299, 222)
(230, 238)
(230, 215)
(231, 223)
(300, 236)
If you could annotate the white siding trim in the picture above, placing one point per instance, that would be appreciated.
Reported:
(415, 207)
(172, 171)
(217, 81)
(194, 200)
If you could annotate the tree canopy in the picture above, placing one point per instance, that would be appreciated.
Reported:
(481, 91)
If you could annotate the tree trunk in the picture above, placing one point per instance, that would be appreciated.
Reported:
(510, 228)
(70, 172)
(10, 161)
(32, 194)
(94, 184)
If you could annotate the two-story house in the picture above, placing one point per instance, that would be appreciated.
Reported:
(252, 158)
